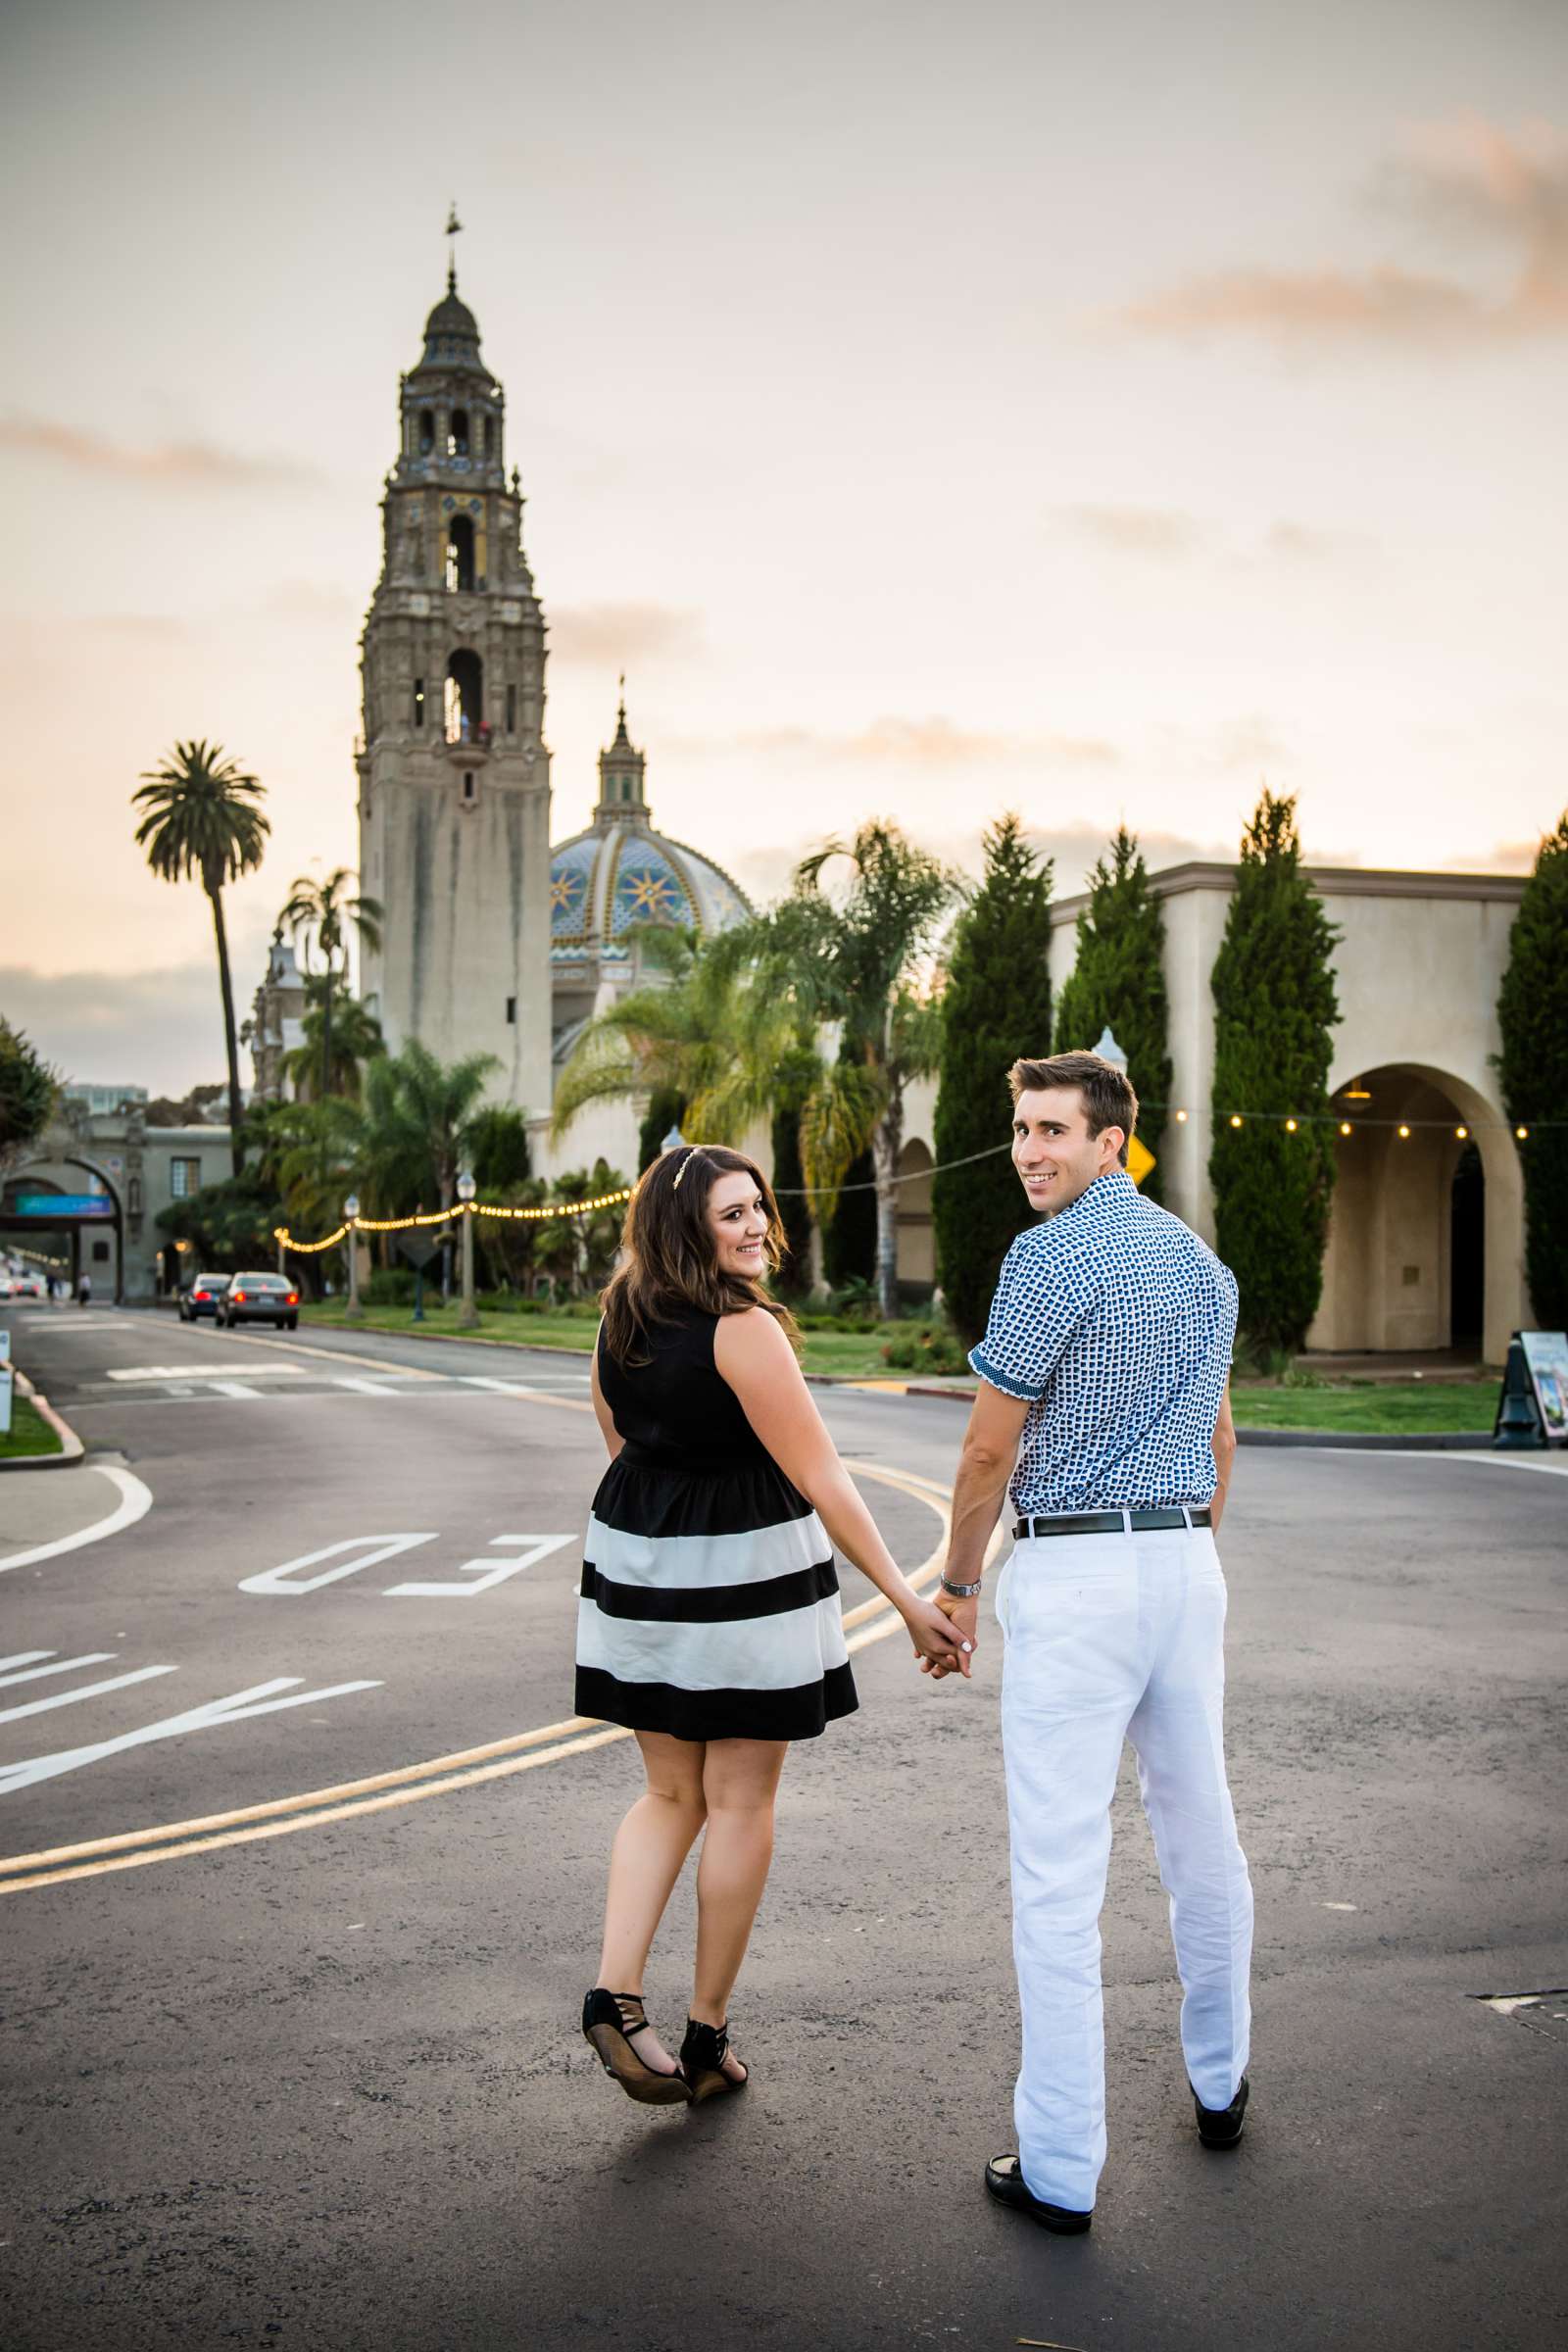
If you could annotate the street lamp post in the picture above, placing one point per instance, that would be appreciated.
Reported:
(468, 1312)
(352, 1312)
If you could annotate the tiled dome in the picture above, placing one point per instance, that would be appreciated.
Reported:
(607, 882)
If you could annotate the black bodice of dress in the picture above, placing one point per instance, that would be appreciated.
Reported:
(677, 1410)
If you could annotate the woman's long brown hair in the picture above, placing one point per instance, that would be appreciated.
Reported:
(669, 1260)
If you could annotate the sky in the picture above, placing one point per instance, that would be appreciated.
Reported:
(1093, 413)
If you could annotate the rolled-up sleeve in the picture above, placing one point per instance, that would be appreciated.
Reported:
(1038, 1303)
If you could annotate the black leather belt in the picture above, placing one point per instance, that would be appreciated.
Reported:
(1115, 1523)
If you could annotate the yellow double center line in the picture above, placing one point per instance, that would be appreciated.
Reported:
(872, 1621)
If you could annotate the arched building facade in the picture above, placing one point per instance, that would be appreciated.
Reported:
(1426, 1241)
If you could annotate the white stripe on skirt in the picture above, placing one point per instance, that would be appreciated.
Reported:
(752, 1654)
(750, 1556)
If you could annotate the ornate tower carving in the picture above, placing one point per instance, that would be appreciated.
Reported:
(454, 773)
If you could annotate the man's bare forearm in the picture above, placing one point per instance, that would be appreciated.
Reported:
(1224, 1458)
(977, 1500)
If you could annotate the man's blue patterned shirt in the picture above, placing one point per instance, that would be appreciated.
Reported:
(1117, 1323)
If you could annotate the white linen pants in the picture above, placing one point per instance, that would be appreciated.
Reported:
(1109, 1637)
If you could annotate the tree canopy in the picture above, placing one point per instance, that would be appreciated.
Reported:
(1275, 1009)
(1533, 1016)
(995, 1006)
(1118, 983)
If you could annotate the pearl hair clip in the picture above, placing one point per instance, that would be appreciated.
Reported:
(681, 1175)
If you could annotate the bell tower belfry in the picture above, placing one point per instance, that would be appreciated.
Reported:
(454, 772)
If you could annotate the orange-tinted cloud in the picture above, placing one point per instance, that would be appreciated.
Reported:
(193, 464)
(618, 634)
(927, 744)
(1464, 176)
(1136, 530)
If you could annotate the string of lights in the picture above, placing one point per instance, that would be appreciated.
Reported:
(1464, 1131)
(549, 1214)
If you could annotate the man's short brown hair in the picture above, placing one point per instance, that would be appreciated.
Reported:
(1107, 1096)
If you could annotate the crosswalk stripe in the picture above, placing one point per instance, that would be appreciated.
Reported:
(30, 1674)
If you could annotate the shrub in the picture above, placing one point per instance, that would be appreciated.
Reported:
(1533, 1016)
(927, 1348)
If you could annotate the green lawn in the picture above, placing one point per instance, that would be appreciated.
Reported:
(851, 1354)
(29, 1431)
(1395, 1408)
(1450, 1407)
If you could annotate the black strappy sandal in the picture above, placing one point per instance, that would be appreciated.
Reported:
(702, 2061)
(609, 2021)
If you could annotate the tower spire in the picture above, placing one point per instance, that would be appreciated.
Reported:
(453, 230)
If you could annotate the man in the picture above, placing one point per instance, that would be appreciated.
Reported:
(1107, 1355)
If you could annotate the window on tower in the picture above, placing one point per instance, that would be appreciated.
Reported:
(489, 438)
(426, 431)
(460, 553)
(458, 434)
(464, 697)
(512, 709)
(419, 702)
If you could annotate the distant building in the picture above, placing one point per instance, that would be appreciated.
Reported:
(97, 1100)
(276, 1027)
(89, 1194)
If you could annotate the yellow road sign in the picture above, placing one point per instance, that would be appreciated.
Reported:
(1140, 1160)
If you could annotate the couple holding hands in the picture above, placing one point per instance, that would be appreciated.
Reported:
(710, 1621)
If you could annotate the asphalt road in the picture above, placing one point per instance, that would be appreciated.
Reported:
(312, 2077)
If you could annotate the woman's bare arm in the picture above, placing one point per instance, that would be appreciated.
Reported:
(757, 1361)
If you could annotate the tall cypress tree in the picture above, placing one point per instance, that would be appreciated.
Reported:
(1275, 1007)
(1533, 1016)
(997, 1005)
(794, 1208)
(1118, 983)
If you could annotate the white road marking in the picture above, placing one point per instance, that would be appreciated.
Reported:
(135, 1502)
(25, 1657)
(363, 1387)
(68, 1698)
(233, 1388)
(364, 1552)
(482, 1574)
(218, 1711)
(185, 1372)
(94, 1657)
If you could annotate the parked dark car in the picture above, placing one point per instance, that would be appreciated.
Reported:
(260, 1299)
(204, 1298)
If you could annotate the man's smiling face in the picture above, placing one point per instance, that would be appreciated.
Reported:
(1057, 1158)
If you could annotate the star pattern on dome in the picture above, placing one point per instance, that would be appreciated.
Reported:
(650, 893)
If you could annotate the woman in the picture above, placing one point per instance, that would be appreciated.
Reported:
(710, 1621)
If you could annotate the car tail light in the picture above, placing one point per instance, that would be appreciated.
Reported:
(201, 1295)
(292, 1299)
(238, 1297)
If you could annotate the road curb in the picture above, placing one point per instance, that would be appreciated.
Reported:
(71, 1448)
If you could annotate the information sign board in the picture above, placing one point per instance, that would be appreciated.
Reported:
(1547, 1356)
(61, 1204)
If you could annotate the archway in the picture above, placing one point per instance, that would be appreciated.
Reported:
(918, 1265)
(464, 695)
(1426, 1239)
(91, 1236)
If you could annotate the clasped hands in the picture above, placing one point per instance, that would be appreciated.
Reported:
(944, 1632)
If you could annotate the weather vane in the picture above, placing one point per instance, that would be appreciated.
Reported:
(453, 230)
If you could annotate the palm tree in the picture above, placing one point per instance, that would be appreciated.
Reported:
(700, 1033)
(203, 819)
(355, 1039)
(327, 909)
(855, 970)
(414, 1124)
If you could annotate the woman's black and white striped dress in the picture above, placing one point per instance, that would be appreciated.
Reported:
(709, 1604)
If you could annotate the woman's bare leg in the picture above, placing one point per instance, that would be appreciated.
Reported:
(645, 1861)
(740, 1781)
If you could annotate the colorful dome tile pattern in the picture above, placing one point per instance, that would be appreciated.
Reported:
(607, 884)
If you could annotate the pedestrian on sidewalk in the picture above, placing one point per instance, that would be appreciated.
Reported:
(83, 1289)
(1104, 1413)
(710, 1620)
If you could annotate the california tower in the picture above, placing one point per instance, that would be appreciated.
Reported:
(454, 774)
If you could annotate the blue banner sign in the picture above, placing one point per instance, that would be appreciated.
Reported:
(60, 1205)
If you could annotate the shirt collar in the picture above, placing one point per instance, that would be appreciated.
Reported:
(1107, 1194)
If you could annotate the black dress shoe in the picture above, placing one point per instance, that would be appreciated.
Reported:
(1221, 2127)
(1006, 2184)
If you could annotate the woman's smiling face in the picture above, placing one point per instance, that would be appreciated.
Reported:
(737, 1219)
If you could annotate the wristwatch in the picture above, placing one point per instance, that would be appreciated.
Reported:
(962, 1591)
